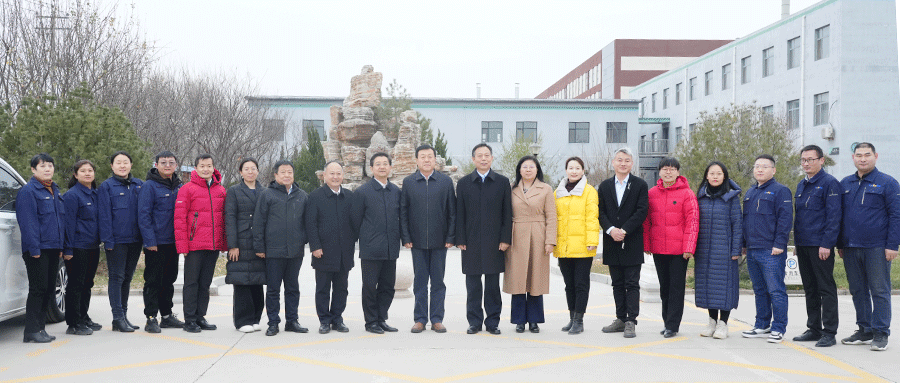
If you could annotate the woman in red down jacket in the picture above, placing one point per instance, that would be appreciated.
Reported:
(200, 236)
(670, 233)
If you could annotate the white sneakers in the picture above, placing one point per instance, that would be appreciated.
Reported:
(247, 329)
(710, 328)
(775, 337)
(257, 327)
(721, 330)
(756, 333)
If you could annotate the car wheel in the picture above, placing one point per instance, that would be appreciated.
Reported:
(56, 310)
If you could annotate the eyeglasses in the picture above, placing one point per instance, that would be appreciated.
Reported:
(808, 160)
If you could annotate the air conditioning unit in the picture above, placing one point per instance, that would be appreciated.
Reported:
(828, 132)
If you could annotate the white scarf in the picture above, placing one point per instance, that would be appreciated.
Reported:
(577, 190)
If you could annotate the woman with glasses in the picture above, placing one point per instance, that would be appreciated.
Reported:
(670, 234)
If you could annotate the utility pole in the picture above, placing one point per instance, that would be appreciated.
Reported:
(54, 19)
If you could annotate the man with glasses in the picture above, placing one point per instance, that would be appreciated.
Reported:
(767, 225)
(817, 224)
(868, 243)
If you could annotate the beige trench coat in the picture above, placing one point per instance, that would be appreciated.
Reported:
(534, 226)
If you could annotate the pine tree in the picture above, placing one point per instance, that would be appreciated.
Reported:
(310, 160)
(440, 146)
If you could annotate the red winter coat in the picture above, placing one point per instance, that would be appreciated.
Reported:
(200, 215)
(673, 220)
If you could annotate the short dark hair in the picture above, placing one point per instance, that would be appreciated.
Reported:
(165, 154)
(246, 160)
(112, 158)
(865, 145)
(73, 181)
(766, 157)
(203, 157)
(40, 157)
(669, 161)
(540, 173)
(482, 145)
(815, 148)
(281, 163)
(379, 154)
(425, 147)
(576, 159)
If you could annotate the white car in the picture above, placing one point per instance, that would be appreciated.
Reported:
(13, 278)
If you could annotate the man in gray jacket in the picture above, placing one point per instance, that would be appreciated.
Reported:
(279, 236)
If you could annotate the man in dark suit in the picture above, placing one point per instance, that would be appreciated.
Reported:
(623, 207)
(332, 242)
(483, 233)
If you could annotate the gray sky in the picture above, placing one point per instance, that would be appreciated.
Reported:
(434, 49)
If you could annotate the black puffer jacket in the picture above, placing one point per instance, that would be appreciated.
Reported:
(278, 226)
(240, 204)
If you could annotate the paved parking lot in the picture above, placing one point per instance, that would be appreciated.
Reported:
(226, 355)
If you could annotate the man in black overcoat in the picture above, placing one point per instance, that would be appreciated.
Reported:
(332, 242)
(483, 233)
(623, 207)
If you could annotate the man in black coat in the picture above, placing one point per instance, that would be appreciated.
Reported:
(483, 233)
(332, 241)
(279, 236)
(376, 210)
(623, 208)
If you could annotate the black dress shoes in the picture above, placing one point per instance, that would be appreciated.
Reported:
(132, 325)
(374, 328)
(384, 326)
(204, 325)
(533, 327)
(325, 329)
(669, 333)
(520, 328)
(93, 325)
(339, 327)
(273, 329)
(48, 335)
(493, 330)
(294, 326)
(191, 327)
(121, 325)
(473, 329)
(79, 329)
(37, 337)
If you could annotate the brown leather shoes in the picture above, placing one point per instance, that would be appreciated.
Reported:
(438, 327)
(417, 328)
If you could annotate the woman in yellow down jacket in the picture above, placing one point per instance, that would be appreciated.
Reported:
(578, 234)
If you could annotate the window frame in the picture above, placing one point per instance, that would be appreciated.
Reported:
(579, 128)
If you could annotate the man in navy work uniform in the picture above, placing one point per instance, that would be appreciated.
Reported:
(767, 225)
(817, 224)
(869, 241)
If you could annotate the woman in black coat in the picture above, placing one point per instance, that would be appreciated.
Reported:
(246, 271)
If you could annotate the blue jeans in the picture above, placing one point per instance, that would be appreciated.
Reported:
(869, 277)
(121, 262)
(429, 264)
(767, 274)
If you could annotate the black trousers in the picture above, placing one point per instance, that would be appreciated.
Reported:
(160, 273)
(41, 287)
(121, 262)
(626, 282)
(524, 308)
(248, 304)
(278, 271)
(81, 270)
(821, 291)
(331, 295)
(378, 277)
(672, 272)
(493, 303)
(576, 273)
(199, 267)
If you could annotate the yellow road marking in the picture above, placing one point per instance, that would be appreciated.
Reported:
(38, 352)
(834, 362)
(113, 368)
(341, 367)
(3, 369)
(522, 366)
(60, 343)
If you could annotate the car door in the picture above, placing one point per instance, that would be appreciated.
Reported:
(13, 278)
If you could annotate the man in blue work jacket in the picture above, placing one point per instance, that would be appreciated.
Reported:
(817, 224)
(767, 225)
(869, 241)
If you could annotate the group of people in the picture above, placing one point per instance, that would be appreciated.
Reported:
(501, 227)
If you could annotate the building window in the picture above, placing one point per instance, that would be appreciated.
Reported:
(822, 43)
(690, 129)
(793, 114)
(768, 114)
(821, 109)
(745, 70)
(793, 53)
(616, 132)
(526, 130)
(768, 64)
(653, 103)
(643, 106)
(274, 128)
(579, 132)
(678, 135)
(318, 125)
(726, 75)
(665, 98)
(707, 83)
(678, 94)
(491, 131)
(692, 84)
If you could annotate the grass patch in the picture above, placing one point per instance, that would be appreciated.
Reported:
(137, 282)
